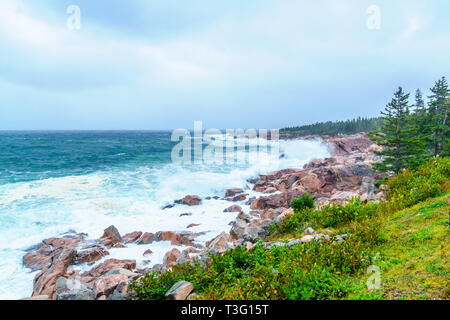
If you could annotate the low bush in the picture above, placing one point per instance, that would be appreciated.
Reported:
(306, 201)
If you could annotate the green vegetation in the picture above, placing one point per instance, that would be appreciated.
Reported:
(330, 128)
(303, 202)
(412, 134)
(408, 241)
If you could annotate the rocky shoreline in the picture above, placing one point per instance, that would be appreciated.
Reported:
(345, 174)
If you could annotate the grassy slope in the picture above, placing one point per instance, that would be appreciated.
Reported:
(414, 261)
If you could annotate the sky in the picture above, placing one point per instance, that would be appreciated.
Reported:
(152, 65)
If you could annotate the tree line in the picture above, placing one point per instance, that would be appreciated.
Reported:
(330, 128)
(411, 133)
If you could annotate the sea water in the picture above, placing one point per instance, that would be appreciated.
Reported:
(52, 183)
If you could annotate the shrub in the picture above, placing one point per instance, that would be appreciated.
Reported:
(305, 201)
(416, 185)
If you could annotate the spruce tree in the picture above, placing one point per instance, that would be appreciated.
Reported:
(439, 109)
(397, 135)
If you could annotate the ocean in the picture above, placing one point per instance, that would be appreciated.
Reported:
(52, 183)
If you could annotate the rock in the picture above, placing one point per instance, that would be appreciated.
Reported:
(190, 200)
(171, 257)
(147, 238)
(240, 197)
(234, 208)
(40, 259)
(180, 291)
(121, 292)
(309, 230)
(270, 190)
(109, 265)
(176, 239)
(66, 242)
(192, 225)
(169, 206)
(73, 289)
(233, 192)
(147, 252)
(131, 237)
(90, 255)
(45, 281)
(307, 239)
(188, 214)
(312, 183)
(118, 246)
(131, 275)
(106, 285)
(220, 244)
(110, 237)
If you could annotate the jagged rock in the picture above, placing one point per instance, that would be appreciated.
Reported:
(190, 200)
(240, 197)
(220, 244)
(110, 237)
(45, 281)
(40, 259)
(73, 289)
(107, 284)
(233, 192)
(90, 255)
(180, 291)
(192, 225)
(121, 292)
(147, 238)
(234, 208)
(171, 257)
(131, 237)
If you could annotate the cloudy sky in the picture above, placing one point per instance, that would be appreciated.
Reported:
(144, 64)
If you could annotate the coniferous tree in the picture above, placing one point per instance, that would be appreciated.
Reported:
(439, 109)
(397, 135)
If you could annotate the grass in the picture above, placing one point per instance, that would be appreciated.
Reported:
(415, 260)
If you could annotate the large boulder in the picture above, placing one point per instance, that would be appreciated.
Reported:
(171, 257)
(106, 285)
(180, 291)
(110, 237)
(220, 244)
(45, 281)
(73, 289)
